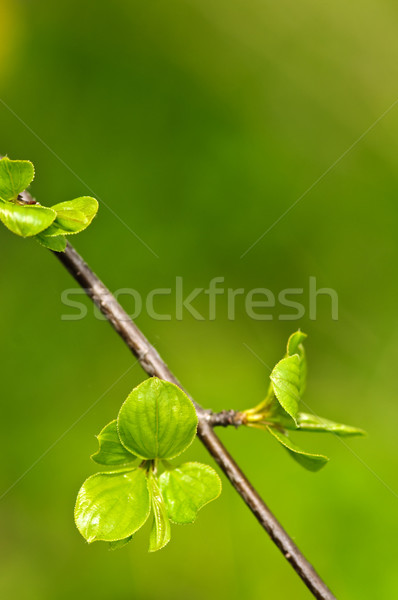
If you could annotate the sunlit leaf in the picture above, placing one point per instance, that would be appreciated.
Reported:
(288, 381)
(285, 379)
(25, 221)
(312, 462)
(277, 415)
(157, 420)
(120, 543)
(187, 488)
(307, 422)
(73, 216)
(160, 530)
(15, 177)
(111, 451)
(112, 506)
(295, 346)
(295, 341)
(56, 243)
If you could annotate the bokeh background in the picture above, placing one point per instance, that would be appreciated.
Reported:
(199, 123)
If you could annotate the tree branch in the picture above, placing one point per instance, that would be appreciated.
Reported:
(225, 418)
(153, 365)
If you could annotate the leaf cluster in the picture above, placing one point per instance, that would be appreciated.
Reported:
(29, 219)
(156, 423)
(281, 411)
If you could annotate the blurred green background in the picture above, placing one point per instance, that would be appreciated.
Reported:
(199, 124)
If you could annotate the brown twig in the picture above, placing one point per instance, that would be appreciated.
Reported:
(154, 365)
(226, 418)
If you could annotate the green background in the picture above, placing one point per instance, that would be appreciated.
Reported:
(199, 123)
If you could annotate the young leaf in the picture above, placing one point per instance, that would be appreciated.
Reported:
(157, 420)
(285, 379)
(25, 221)
(282, 408)
(56, 243)
(160, 531)
(278, 416)
(15, 177)
(294, 342)
(312, 462)
(306, 422)
(111, 451)
(187, 488)
(120, 543)
(295, 346)
(73, 216)
(112, 506)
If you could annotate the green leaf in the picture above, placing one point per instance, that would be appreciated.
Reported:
(112, 506)
(120, 543)
(294, 342)
(160, 531)
(73, 216)
(25, 221)
(312, 462)
(278, 416)
(111, 451)
(15, 177)
(295, 346)
(157, 420)
(288, 381)
(307, 422)
(56, 243)
(285, 379)
(187, 488)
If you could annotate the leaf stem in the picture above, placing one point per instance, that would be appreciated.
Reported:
(262, 407)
